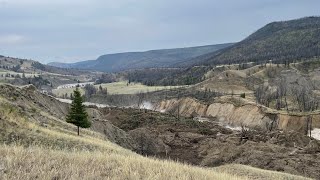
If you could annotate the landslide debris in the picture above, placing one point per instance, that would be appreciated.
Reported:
(207, 143)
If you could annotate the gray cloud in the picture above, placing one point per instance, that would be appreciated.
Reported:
(73, 30)
(12, 39)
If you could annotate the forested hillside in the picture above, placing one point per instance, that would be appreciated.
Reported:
(278, 41)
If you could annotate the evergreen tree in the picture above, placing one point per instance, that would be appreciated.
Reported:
(77, 113)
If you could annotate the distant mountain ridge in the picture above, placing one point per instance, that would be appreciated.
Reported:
(148, 59)
(277, 41)
(71, 65)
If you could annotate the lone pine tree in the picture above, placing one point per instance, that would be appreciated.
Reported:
(77, 114)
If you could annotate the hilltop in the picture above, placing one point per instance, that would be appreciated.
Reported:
(31, 66)
(23, 71)
(282, 41)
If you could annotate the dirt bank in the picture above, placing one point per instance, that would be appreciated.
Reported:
(247, 114)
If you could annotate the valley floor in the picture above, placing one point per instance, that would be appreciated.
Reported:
(122, 87)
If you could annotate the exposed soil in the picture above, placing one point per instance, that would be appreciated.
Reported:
(210, 144)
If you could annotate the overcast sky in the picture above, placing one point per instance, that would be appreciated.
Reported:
(74, 30)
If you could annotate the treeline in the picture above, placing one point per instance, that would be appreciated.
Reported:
(106, 78)
(11, 68)
(167, 76)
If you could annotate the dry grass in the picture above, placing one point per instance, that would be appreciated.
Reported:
(133, 88)
(255, 173)
(38, 163)
(119, 88)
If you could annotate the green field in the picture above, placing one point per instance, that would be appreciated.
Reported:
(119, 88)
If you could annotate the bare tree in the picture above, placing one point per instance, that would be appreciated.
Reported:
(178, 101)
(273, 123)
(244, 134)
(263, 95)
(141, 97)
(309, 125)
(282, 91)
(143, 140)
(304, 97)
(89, 90)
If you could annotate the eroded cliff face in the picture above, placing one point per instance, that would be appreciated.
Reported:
(247, 114)
(186, 107)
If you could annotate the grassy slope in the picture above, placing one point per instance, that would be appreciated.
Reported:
(40, 163)
(54, 151)
(254, 173)
(58, 153)
(32, 163)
